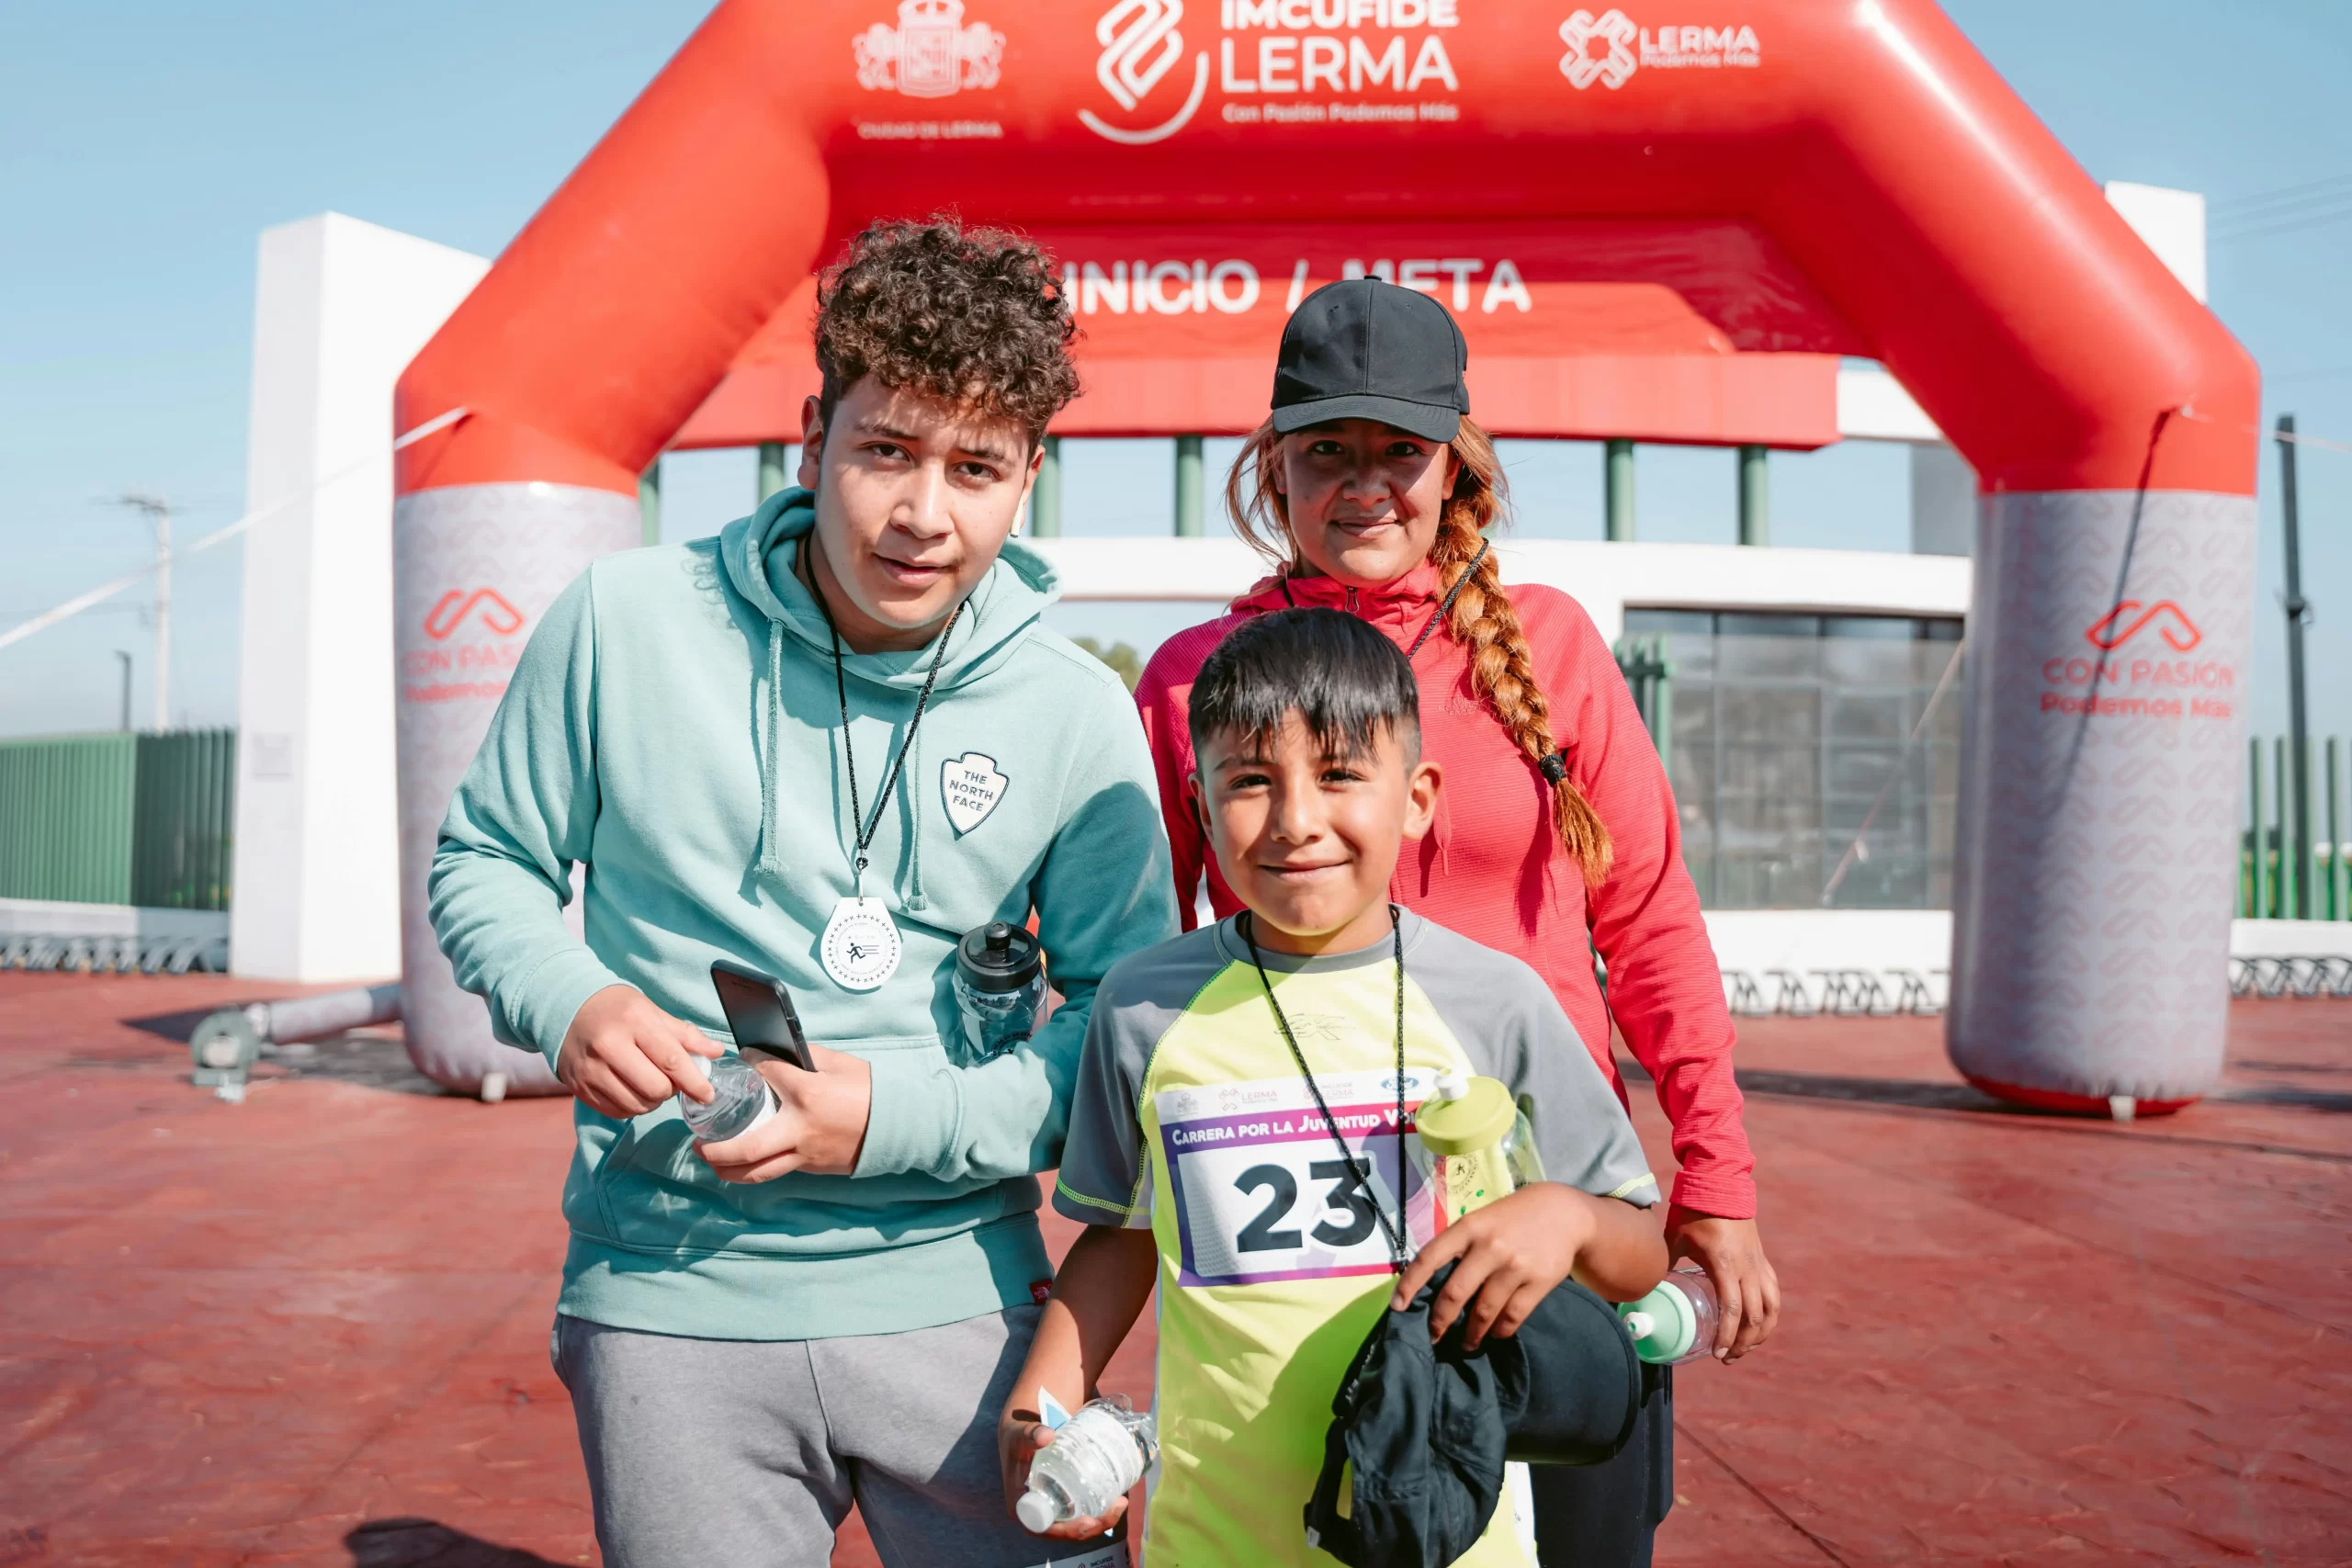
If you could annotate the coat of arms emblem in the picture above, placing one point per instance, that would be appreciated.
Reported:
(930, 53)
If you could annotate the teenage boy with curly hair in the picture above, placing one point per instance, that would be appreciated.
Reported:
(823, 745)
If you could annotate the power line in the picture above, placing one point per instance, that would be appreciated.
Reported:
(2313, 220)
(104, 591)
(2238, 206)
(2284, 210)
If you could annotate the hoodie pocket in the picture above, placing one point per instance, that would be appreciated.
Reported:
(644, 1183)
(654, 1193)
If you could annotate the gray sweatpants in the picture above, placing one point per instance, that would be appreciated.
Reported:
(747, 1453)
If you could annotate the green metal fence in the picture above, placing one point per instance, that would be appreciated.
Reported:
(184, 813)
(2278, 878)
(120, 818)
(65, 815)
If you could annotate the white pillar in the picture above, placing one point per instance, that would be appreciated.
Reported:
(2171, 223)
(341, 306)
(1943, 501)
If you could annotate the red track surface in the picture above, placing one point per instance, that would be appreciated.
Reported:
(312, 1328)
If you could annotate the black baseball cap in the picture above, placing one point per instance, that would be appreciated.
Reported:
(1413, 1458)
(1364, 349)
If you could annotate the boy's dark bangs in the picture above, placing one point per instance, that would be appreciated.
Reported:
(1337, 727)
(1345, 682)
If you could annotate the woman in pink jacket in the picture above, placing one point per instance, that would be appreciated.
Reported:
(1556, 838)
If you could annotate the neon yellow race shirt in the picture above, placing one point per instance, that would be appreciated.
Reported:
(1190, 1118)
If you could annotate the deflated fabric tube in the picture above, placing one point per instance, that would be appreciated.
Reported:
(316, 1018)
(474, 567)
(2109, 656)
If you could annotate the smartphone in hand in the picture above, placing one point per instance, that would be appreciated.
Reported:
(759, 1015)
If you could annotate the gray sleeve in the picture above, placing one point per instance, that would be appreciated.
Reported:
(1105, 1172)
(1513, 1029)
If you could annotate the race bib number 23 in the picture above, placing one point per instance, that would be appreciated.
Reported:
(1265, 1194)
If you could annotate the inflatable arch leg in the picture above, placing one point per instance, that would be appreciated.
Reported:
(2098, 851)
(522, 543)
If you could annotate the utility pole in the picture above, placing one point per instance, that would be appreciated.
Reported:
(159, 512)
(119, 653)
(2298, 608)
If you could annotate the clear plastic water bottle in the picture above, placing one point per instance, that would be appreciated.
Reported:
(1473, 1145)
(1000, 986)
(1095, 1458)
(740, 1099)
(1676, 1321)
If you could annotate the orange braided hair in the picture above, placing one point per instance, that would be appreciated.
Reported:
(1502, 667)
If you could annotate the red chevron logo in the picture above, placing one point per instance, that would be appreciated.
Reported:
(2120, 624)
(502, 618)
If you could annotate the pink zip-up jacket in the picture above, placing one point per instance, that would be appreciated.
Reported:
(1493, 869)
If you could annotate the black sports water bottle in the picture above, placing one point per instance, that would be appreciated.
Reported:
(999, 988)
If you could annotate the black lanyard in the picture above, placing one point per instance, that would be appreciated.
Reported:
(1444, 605)
(1553, 765)
(1245, 924)
(849, 752)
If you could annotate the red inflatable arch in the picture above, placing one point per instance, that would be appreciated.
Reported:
(1648, 225)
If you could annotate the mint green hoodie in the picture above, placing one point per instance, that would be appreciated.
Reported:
(674, 724)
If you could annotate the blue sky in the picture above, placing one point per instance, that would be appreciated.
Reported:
(145, 146)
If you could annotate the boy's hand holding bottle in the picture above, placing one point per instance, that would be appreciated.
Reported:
(1508, 1256)
(1511, 1235)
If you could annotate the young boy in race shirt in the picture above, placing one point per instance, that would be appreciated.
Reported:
(1200, 1156)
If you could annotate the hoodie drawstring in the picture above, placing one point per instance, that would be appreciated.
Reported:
(915, 900)
(770, 857)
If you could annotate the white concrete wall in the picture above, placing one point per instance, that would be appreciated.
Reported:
(2172, 222)
(1874, 406)
(1943, 501)
(2290, 939)
(1762, 940)
(1756, 941)
(1605, 578)
(341, 306)
(46, 916)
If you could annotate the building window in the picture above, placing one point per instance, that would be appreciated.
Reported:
(1801, 763)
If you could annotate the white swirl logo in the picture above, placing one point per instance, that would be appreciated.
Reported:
(1140, 46)
(1615, 33)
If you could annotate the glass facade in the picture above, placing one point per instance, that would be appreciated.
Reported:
(1791, 743)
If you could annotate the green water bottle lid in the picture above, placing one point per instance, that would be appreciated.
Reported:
(1664, 1324)
(1476, 1119)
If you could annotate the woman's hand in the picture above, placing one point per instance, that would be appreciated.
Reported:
(1020, 1435)
(1732, 1252)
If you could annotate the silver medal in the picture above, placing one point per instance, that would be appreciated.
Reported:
(860, 948)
